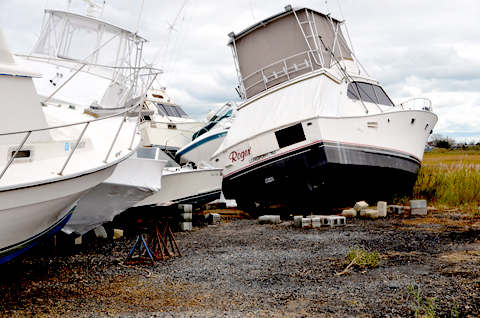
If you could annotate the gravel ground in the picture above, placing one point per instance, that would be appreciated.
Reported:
(242, 269)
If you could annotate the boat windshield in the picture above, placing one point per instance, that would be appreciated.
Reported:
(226, 112)
(171, 110)
(82, 39)
(369, 93)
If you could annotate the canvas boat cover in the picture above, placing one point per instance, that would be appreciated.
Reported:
(294, 40)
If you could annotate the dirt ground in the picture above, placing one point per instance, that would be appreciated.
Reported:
(239, 268)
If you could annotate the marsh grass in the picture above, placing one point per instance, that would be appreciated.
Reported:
(457, 184)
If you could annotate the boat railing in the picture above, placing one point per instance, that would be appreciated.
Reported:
(417, 104)
(278, 72)
(78, 140)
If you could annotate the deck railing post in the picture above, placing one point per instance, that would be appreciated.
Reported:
(73, 149)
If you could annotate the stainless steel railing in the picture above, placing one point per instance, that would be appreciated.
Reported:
(87, 123)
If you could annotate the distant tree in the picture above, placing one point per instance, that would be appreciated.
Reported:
(442, 142)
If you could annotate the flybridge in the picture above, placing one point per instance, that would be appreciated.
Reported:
(285, 46)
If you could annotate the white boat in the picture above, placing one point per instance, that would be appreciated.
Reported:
(313, 126)
(132, 181)
(207, 140)
(185, 184)
(169, 127)
(86, 61)
(52, 156)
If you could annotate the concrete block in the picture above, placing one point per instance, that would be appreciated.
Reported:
(311, 222)
(297, 220)
(369, 214)
(186, 208)
(186, 217)
(418, 207)
(361, 205)
(185, 226)
(349, 213)
(117, 234)
(213, 218)
(382, 209)
(78, 240)
(269, 219)
(397, 209)
(100, 232)
(333, 220)
(313, 216)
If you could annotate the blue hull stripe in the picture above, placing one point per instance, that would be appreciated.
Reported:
(7, 253)
(201, 142)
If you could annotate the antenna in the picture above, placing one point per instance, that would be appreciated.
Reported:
(92, 9)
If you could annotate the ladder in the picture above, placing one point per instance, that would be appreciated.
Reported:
(311, 36)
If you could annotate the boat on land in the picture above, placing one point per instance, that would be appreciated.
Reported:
(169, 127)
(207, 140)
(312, 125)
(183, 184)
(95, 67)
(52, 156)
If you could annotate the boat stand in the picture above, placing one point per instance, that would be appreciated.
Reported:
(141, 247)
(159, 240)
(155, 247)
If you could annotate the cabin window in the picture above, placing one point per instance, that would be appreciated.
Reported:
(369, 93)
(109, 47)
(79, 39)
(290, 135)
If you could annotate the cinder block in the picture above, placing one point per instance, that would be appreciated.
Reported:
(186, 217)
(333, 220)
(100, 232)
(418, 207)
(349, 213)
(382, 209)
(269, 219)
(361, 205)
(311, 222)
(313, 216)
(369, 214)
(78, 240)
(117, 234)
(186, 208)
(185, 226)
(297, 220)
(398, 209)
(213, 218)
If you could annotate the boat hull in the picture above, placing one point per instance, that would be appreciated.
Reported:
(31, 213)
(201, 149)
(333, 163)
(194, 186)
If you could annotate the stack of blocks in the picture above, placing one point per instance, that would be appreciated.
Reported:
(362, 209)
(318, 221)
(185, 222)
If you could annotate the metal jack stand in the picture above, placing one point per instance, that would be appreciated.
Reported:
(158, 242)
(143, 251)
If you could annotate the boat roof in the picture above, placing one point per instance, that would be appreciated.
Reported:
(273, 18)
(95, 19)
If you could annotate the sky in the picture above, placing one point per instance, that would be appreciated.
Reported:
(415, 48)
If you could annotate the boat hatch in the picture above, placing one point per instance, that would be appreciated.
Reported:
(26, 154)
(290, 135)
(368, 93)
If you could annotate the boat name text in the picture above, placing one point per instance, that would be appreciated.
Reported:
(234, 156)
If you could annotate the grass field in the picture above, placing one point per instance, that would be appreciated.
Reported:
(437, 157)
(449, 178)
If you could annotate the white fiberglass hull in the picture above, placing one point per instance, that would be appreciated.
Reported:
(132, 181)
(187, 186)
(202, 148)
(30, 213)
(331, 155)
(156, 133)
